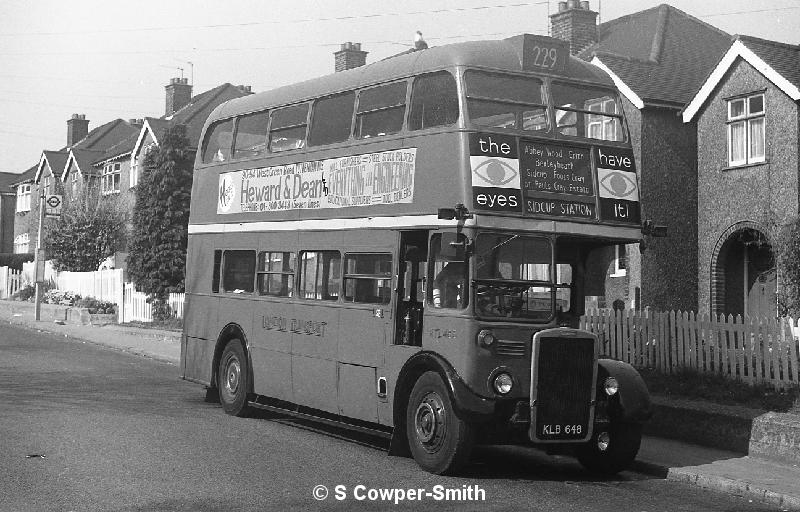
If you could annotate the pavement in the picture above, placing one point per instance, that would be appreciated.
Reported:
(761, 479)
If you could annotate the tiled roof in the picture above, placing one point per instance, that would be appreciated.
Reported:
(6, 180)
(27, 175)
(84, 158)
(662, 54)
(56, 160)
(783, 58)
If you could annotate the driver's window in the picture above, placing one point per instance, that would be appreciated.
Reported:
(448, 272)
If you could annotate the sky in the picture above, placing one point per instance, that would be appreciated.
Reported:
(110, 59)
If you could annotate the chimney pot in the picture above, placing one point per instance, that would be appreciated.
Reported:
(77, 129)
(562, 6)
(585, 5)
(573, 4)
(349, 56)
(179, 94)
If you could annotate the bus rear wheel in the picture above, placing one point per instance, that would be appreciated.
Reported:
(612, 449)
(440, 441)
(233, 379)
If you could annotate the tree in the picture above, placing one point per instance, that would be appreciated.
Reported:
(90, 229)
(157, 249)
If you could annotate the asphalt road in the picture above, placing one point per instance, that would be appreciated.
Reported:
(85, 427)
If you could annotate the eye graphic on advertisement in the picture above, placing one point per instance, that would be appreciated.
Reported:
(495, 171)
(618, 184)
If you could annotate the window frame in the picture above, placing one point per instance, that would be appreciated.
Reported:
(325, 274)
(745, 119)
(262, 274)
(224, 271)
(311, 125)
(235, 135)
(587, 113)
(415, 94)
(271, 130)
(359, 114)
(620, 254)
(112, 172)
(519, 116)
(22, 240)
(355, 277)
(23, 198)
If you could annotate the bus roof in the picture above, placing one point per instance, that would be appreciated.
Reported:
(504, 54)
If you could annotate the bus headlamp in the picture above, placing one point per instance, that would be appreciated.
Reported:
(486, 338)
(503, 383)
(611, 386)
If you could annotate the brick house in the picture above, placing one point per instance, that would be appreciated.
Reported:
(748, 135)
(657, 58)
(8, 202)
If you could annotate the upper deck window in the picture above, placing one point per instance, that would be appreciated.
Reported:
(381, 110)
(288, 128)
(217, 146)
(505, 101)
(434, 101)
(332, 119)
(587, 112)
(251, 135)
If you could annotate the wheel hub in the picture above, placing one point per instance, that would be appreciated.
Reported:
(233, 373)
(429, 422)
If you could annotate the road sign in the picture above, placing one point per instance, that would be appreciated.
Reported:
(53, 205)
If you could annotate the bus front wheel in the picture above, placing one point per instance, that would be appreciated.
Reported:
(233, 379)
(440, 441)
(611, 450)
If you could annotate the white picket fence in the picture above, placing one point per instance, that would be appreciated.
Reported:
(10, 282)
(136, 308)
(106, 285)
(754, 350)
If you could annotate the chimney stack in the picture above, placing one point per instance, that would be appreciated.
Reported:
(179, 94)
(350, 56)
(575, 23)
(77, 129)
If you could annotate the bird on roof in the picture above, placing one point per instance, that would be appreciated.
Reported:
(419, 43)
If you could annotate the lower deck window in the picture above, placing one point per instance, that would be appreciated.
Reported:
(368, 278)
(320, 275)
(276, 273)
(238, 271)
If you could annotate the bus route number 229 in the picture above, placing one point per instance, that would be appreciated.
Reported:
(544, 57)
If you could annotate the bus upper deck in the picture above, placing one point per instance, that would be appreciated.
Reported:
(522, 134)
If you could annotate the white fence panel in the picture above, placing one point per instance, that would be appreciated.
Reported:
(10, 282)
(137, 309)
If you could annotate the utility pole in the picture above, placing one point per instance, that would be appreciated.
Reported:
(39, 259)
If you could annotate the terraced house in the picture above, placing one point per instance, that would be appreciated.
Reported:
(109, 158)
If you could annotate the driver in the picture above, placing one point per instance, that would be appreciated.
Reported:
(449, 286)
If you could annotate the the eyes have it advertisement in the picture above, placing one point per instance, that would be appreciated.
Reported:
(553, 180)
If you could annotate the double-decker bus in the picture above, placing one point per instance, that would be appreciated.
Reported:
(402, 249)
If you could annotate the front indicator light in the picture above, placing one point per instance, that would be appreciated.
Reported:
(503, 383)
(611, 386)
(486, 338)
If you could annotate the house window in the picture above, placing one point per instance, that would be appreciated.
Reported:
(137, 163)
(110, 178)
(599, 126)
(74, 181)
(46, 185)
(24, 198)
(620, 261)
(746, 142)
(22, 243)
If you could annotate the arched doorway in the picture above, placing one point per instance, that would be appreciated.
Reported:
(743, 276)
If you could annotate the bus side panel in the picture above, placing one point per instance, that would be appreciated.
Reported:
(357, 392)
(271, 347)
(315, 335)
(198, 353)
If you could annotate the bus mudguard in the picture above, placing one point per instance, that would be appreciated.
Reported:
(632, 402)
(228, 333)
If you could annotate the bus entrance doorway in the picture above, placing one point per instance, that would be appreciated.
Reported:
(411, 287)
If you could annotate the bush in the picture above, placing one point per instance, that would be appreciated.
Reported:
(97, 307)
(28, 292)
(719, 389)
(14, 261)
(60, 297)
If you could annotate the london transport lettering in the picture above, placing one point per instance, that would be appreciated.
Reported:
(362, 180)
(553, 180)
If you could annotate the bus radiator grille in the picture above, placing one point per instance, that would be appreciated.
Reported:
(564, 376)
